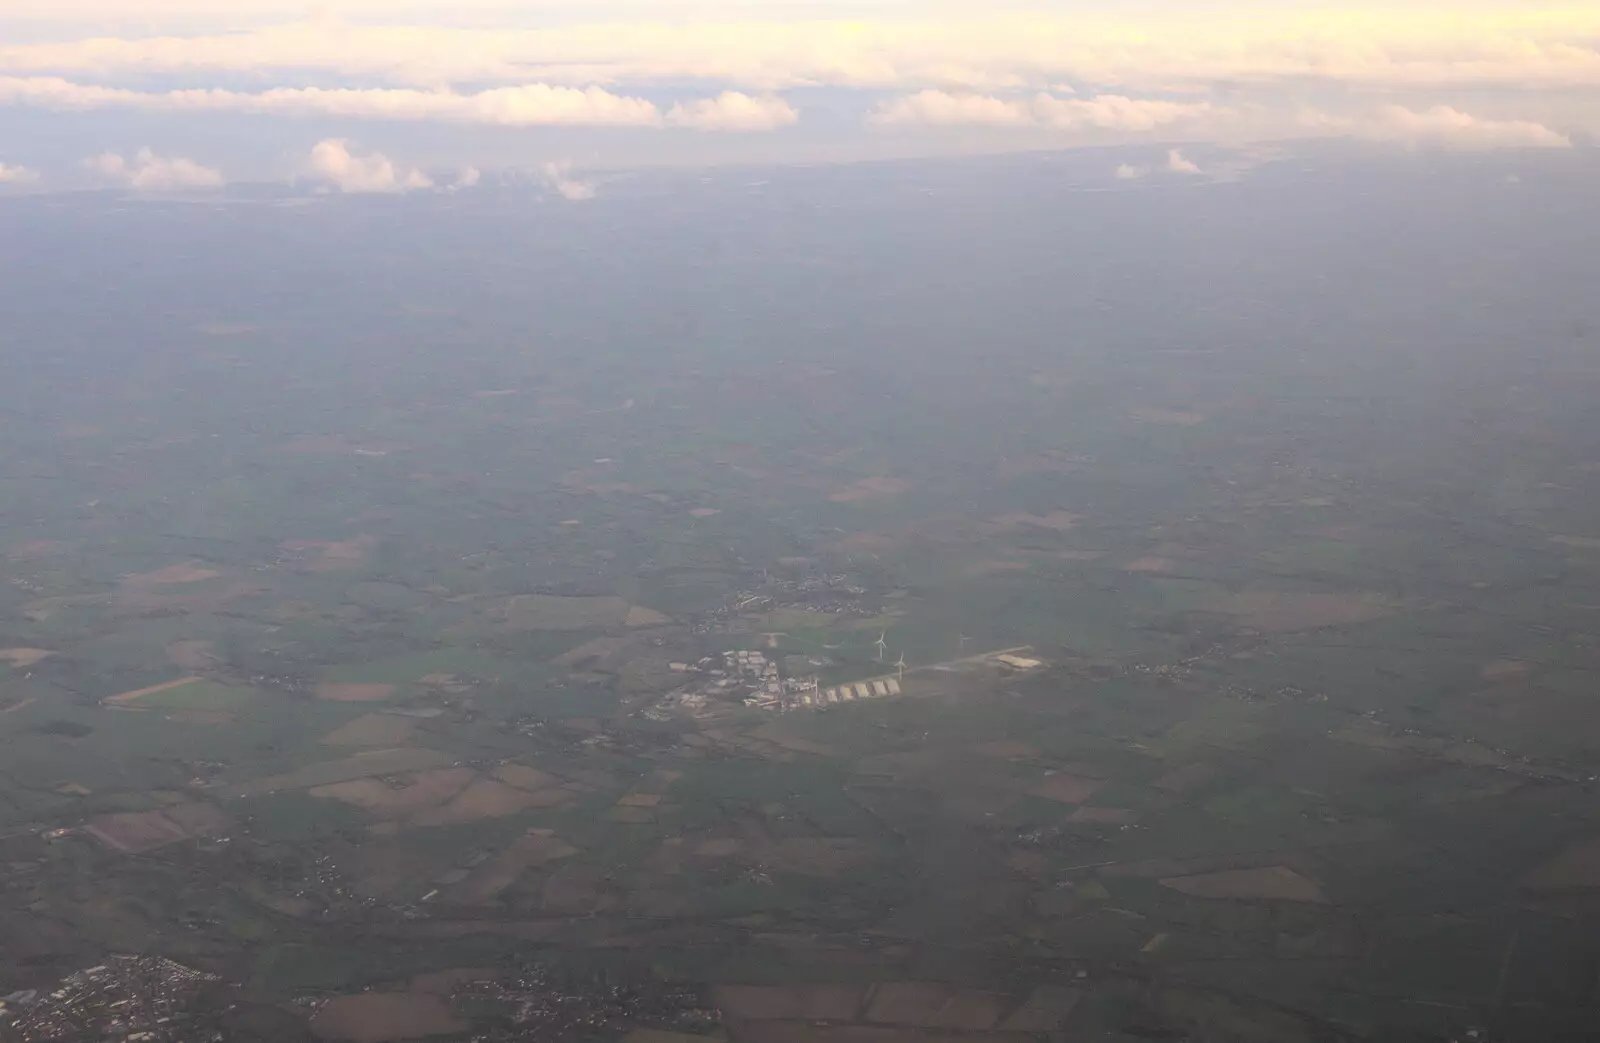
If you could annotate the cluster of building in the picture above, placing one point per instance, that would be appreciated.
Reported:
(535, 1007)
(137, 999)
(877, 688)
(746, 675)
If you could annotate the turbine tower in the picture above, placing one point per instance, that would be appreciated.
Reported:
(881, 644)
(901, 665)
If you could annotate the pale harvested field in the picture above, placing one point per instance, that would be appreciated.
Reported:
(1068, 789)
(1009, 749)
(354, 693)
(870, 488)
(331, 555)
(704, 512)
(381, 1017)
(1268, 883)
(443, 983)
(1104, 816)
(639, 616)
(775, 733)
(22, 658)
(1578, 542)
(1185, 778)
(1501, 670)
(1012, 521)
(865, 543)
(524, 777)
(1150, 563)
(533, 849)
(631, 816)
(790, 1002)
(1167, 417)
(29, 549)
(719, 847)
(187, 572)
(483, 799)
(191, 655)
(365, 765)
(1045, 1010)
(549, 612)
(139, 693)
(576, 889)
(136, 831)
(212, 718)
(1577, 866)
(373, 729)
(816, 856)
(992, 566)
(935, 1006)
(1282, 613)
(423, 791)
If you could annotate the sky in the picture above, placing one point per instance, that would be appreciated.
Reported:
(418, 95)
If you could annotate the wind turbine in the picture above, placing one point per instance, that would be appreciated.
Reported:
(901, 664)
(882, 645)
(961, 648)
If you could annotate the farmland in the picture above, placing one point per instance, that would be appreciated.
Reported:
(433, 661)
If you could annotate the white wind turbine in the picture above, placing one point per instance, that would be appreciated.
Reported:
(901, 665)
(882, 645)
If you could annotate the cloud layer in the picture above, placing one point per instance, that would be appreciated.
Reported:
(1439, 125)
(1402, 46)
(532, 104)
(720, 77)
(1105, 112)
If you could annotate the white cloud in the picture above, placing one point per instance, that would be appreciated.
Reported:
(468, 178)
(1440, 125)
(1103, 112)
(733, 111)
(939, 108)
(770, 46)
(15, 175)
(558, 176)
(1129, 172)
(1446, 126)
(1177, 163)
(151, 173)
(333, 162)
(526, 105)
(532, 104)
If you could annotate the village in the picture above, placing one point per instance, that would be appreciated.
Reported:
(753, 679)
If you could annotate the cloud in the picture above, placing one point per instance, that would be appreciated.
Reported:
(468, 178)
(525, 105)
(149, 172)
(941, 109)
(1446, 126)
(559, 178)
(1103, 112)
(15, 175)
(1177, 164)
(1440, 125)
(733, 111)
(333, 162)
(1129, 172)
(743, 46)
(532, 104)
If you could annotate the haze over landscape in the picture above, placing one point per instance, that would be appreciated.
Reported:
(855, 522)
